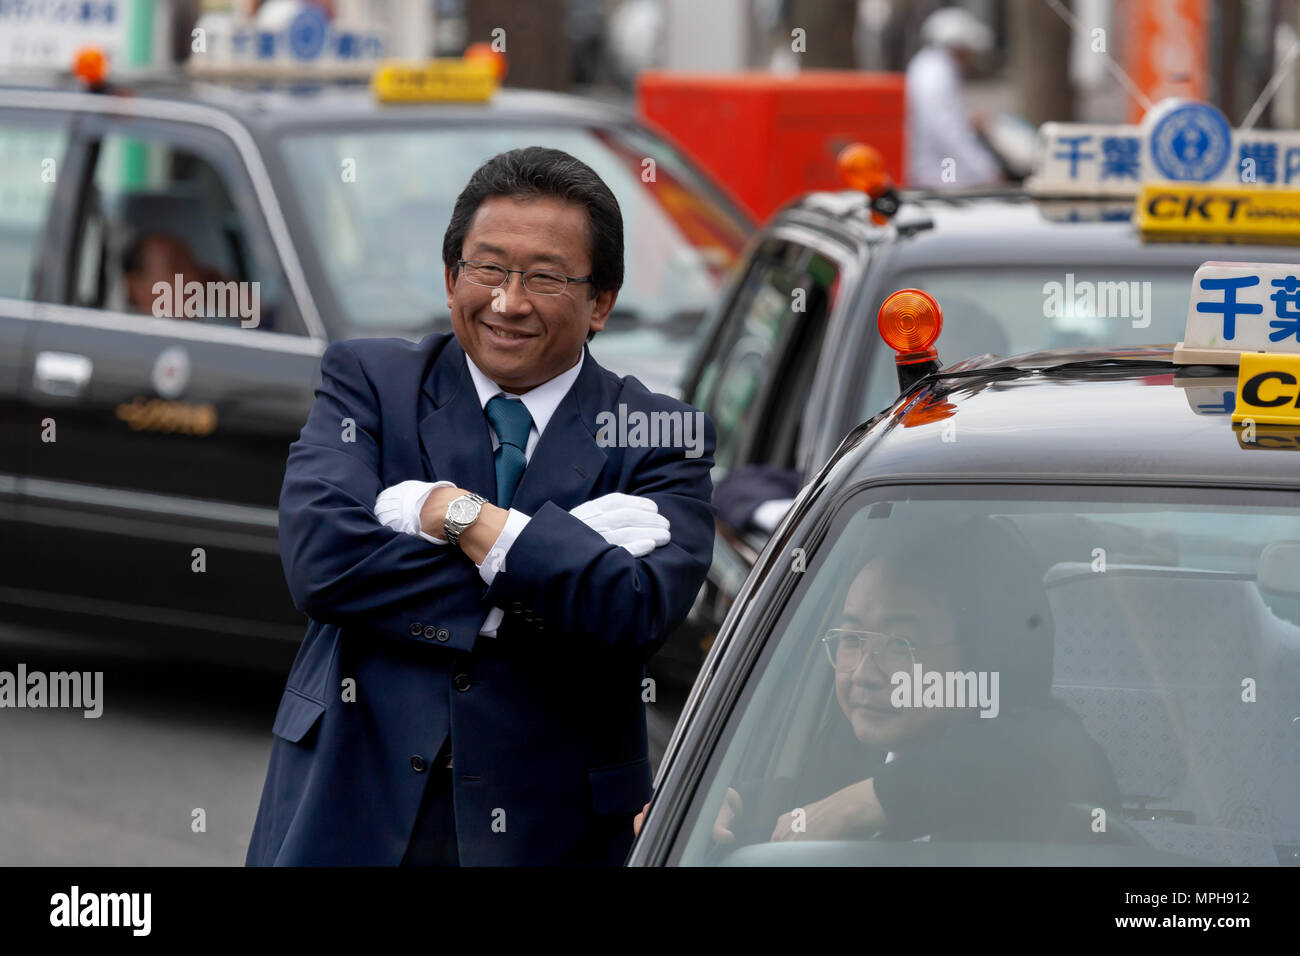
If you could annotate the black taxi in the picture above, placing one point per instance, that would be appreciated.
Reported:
(143, 436)
(1042, 609)
(791, 360)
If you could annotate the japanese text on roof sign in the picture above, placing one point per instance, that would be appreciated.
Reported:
(1246, 306)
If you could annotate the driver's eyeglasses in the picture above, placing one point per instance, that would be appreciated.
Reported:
(537, 281)
(846, 646)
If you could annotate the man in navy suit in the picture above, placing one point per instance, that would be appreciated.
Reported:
(490, 534)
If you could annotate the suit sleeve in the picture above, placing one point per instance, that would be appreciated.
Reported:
(585, 588)
(343, 567)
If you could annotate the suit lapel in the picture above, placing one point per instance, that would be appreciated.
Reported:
(458, 447)
(454, 432)
(567, 461)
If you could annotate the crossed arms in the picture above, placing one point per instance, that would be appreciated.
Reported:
(345, 567)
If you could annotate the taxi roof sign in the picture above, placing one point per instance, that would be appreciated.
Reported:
(1238, 307)
(442, 80)
(1173, 210)
(1268, 390)
(1178, 141)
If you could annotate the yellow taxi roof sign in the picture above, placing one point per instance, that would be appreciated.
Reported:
(441, 80)
(1175, 209)
(1268, 389)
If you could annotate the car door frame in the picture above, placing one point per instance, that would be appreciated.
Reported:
(247, 527)
(736, 551)
(16, 310)
(85, 106)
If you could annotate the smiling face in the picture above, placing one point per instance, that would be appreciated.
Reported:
(882, 600)
(518, 338)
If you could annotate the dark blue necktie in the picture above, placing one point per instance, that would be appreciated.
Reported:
(511, 421)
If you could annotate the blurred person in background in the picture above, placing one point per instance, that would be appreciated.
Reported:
(938, 127)
(157, 257)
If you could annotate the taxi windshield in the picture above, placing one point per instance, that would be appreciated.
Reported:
(1009, 311)
(1065, 676)
(377, 202)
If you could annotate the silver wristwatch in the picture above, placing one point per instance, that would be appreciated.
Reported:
(461, 513)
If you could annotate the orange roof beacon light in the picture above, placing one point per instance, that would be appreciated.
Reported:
(90, 65)
(862, 168)
(909, 321)
(484, 51)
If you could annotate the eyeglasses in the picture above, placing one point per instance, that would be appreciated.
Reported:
(845, 647)
(537, 281)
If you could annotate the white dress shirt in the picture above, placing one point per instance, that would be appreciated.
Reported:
(541, 402)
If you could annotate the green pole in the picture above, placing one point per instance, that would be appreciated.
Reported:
(139, 52)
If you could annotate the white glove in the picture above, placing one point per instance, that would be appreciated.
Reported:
(398, 507)
(629, 521)
(769, 514)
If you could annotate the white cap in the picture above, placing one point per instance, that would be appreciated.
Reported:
(957, 28)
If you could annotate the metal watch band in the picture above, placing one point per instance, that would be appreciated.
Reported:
(452, 529)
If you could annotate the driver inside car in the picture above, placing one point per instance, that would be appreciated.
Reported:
(1000, 760)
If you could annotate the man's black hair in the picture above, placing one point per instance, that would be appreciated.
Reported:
(535, 172)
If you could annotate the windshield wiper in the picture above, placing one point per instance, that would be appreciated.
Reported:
(1008, 371)
(1106, 363)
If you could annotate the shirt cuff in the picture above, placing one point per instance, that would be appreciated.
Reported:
(419, 506)
(495, 561)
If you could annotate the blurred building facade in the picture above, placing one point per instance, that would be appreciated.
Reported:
(1097, 60)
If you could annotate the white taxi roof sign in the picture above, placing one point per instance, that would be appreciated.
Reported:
(1241, 307)
(1178, 141)
(441, 80)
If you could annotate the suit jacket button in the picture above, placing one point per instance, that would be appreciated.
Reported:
(418, 764)
(416, 628)
(461, 682)
(529, 617)
(540, 626)
(443, 634)
(430, 631)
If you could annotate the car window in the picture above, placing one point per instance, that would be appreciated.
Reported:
(1068, 669)
(767, 352)
(1006, 312)
(377, 201)
(31, 151)
(161, 233)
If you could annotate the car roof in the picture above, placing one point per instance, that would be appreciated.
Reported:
(953, 230)
(1035, 418)
(282, 103)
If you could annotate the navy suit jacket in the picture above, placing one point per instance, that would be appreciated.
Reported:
(547, 719)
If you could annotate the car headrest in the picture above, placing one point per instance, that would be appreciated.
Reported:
(1279, 568)
(176, 212)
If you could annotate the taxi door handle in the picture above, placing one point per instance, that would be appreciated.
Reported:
(65, 374)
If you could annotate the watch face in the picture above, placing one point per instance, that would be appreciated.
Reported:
(462, 511)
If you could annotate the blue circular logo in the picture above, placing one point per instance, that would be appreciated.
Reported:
(1192, 141)
(307, 34)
